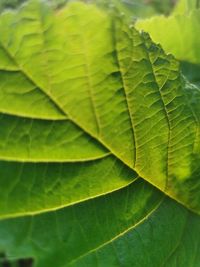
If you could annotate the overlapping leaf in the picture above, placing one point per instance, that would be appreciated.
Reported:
(87, 105)
(178, 33)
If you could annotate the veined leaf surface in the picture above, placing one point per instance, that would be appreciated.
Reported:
(88, 104)
(136, 226)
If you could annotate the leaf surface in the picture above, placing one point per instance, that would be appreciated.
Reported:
(119, 232)
(113, 87)
(88, 104)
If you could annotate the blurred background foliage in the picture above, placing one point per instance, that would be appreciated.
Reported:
(141, 8)
(9, 4)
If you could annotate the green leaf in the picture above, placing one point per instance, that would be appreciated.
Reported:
(177, 33)
(35, 188)
(132, 9)
(185, 6)
(117, 88)
(88, 105)
(191, 72)
(135, 226)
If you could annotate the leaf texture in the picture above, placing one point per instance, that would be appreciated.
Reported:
(113, 86)
(88, 105)
(120, 231)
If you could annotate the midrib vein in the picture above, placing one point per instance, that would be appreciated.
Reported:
(140, 222)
